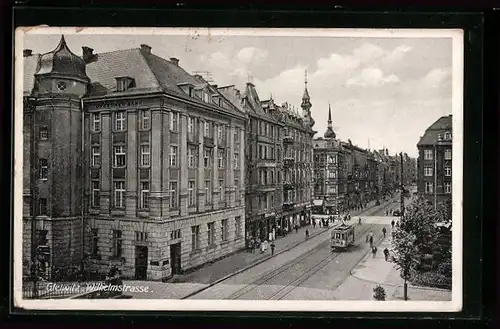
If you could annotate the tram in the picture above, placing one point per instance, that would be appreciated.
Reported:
(342, 236)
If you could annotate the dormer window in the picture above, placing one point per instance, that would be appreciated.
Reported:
(440, 136)
(187, 88)
(447, 135)
(124, 83)
(206, 97)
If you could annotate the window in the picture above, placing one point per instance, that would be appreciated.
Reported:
(96, 156)
(428, 171)
(190, 127)
(211, 233)
(447, 171)
(225, 230)
(141, 236)
(117, 243)
(191, 193)
(96, 122)
(44, 168)
(447, 187)
(173, 156)
(206, 158)
(144, 196)
(447, 135)
(191, 157)
(236, 156)
(173, 195)
(94, 246)
(95, 194)
(221, 186)
(119, 194)
(332, 174)
(237, 224)
(208, 191)
(145, 119)
(220, 157)
(145, 155)
(44, 133)
(174, 121)
(237, 135)
(195, 237)
(220, 132)
(447, 154)
(42, 206)
(428, 155)
(207, 129)
(120, 121)
(175, 234)
(119, 156)
(61, 86)
(429, 187)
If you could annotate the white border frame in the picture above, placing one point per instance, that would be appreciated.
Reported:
(454, 305)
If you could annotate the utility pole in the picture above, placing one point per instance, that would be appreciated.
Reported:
(402, 186)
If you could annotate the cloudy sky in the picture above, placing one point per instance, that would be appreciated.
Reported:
(382, 91)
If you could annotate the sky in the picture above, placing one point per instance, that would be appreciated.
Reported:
(383, 92)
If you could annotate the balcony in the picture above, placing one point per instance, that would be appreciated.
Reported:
(288, 161)
(263, 163)
(288, 205)
(288, 140)
(265, 187)
(289, 185)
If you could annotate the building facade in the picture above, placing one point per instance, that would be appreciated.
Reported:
(435, 161)
(129, 161)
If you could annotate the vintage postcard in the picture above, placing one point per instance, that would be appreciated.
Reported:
(238, 169)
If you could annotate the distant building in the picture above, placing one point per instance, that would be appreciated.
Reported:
(435, 161)
(129, 160)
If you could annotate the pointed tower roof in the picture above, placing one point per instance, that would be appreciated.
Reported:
(62, 61)
(306, 93)
(329, 130)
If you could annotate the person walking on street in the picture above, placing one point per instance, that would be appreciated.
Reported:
(386, 254)
(296, 228)
(392, 224)
(371, 239)
(359, 221)
(272, 248)
(307, 234)
(384, 231)
(374, 251)
(314, 222)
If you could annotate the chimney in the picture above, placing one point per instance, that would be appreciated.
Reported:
(88, 54)
(27, 52)
(146, 49)
(174, 61)
(215, 86)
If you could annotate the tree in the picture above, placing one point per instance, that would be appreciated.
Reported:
(414, 237)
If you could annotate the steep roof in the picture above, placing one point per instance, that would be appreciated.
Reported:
(430, 136)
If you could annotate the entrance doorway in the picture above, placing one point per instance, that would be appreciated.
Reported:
(175, 258)
(141, 262)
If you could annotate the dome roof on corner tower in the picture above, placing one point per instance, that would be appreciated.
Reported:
(62, 61)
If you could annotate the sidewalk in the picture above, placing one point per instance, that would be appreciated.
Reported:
(228, 265)
(373, 271)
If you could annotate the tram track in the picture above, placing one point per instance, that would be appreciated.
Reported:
(285, 290)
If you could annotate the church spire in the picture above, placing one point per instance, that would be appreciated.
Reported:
(329, 129)
(305, 97)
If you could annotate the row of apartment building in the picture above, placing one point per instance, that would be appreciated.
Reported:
(347, 176)
(131, 161)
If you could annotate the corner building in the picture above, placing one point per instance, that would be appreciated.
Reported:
(434, 164)
(135, 163)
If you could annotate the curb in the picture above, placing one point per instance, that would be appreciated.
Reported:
(261, 261)
(377, 243)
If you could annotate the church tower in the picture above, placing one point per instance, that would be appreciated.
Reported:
(329, 134)
(306, 105)
(55, 155)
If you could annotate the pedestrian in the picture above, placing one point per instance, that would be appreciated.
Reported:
(319, 223)
(296, 228)
(307, 234)
(384, 231)
(374, 251)
(386, 254)
(392, 224)
(371, 239)
(359, 221)
(252, 245)
(314, 222)
(272, 248)
(387, 213)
